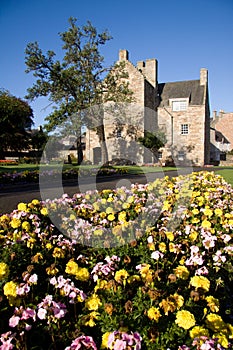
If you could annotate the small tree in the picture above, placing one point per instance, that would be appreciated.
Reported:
(77, 82)
(16, 119)
(153, 141)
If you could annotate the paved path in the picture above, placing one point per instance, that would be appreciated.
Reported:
(11, 195)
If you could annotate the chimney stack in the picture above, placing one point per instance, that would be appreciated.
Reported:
(203, 76)
(123, 55)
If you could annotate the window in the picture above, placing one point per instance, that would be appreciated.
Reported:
(179, 104)
(118, 133)
(184, 129)
(181, 155)
(160, 155)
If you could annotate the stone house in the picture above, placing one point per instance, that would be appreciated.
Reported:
(221, 137)
(180, 110)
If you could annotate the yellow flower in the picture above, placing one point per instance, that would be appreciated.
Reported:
(44, 211)
(4, 219)
(111, 217)
(90, 319)
(105, 336)
(82, 274)
(93, 302)
(206, 224)
(193, 236)
(52, 270)
(36, 258)
(98, 232)
(162, 247)
(181, 272)
(15, 223)
(166, 206)
(126, 205)
(195, 211)
(71, 267)
(121, 275)
(122, 216)
(218, 212)
(198, 331)
(26, 226)
(35, 202)
(49, 246)
(215, 322)
(172, 303)
(109, 210)
(185, 319)
(58, 253)
(4, 270)
(208, 212)
(170, 236)
(213, 303)
(22, 206)
(222, 339)
(9, 289)
(153, 313)
(200, 282)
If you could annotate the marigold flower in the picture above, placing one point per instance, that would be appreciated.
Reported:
(44, 211)
(181, 272)
(10, 289)
(213, 303)
(206, 224)
(121, 275)
(58, 253)
(215, 322)
(154, 314)
(71, 267)
(82, 274)
(22, 207)
(105, 336)
(93, 302)
(200, 282)
(15, 223)
(111, 217)
(198, 331)
(185, 319)
(4, 270)
(26, 226)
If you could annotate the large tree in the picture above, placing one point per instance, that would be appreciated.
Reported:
(16, 119)
(78, 81)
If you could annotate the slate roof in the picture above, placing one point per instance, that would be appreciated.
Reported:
(181, 89)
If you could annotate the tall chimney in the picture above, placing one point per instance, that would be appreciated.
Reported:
(203, 76)
(151, 69)
(123, 55)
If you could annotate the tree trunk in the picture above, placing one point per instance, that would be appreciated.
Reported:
(79, 150)
(104, 151)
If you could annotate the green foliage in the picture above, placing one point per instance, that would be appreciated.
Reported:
(153, 141)
(16, 119)
(76, 82)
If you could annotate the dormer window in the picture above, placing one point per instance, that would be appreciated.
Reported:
(179, 104)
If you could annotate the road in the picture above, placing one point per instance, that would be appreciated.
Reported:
(13, 194)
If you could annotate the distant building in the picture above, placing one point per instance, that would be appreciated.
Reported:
(221, 136)
(179, 109)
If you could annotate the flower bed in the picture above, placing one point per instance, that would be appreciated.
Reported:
(139, 283)
(33, 176)
(8, 162)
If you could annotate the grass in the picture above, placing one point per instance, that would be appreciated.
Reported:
(225, 172)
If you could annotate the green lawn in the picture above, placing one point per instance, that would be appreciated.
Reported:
(227, 174)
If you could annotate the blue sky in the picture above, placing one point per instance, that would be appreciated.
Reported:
(183, 35)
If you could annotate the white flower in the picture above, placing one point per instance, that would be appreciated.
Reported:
(156, 255)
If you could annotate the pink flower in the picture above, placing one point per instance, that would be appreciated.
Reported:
(42, 314)
(156, 255)
(14, 321)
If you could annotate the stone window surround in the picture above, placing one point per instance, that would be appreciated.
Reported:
(181, 104)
